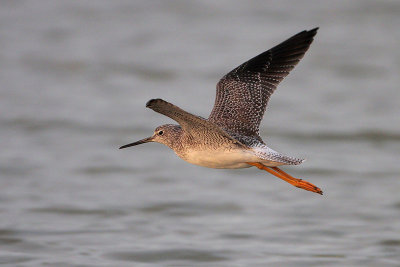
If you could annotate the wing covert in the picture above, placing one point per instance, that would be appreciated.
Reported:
(192, 124)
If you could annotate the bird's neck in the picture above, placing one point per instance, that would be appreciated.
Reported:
(175, 142)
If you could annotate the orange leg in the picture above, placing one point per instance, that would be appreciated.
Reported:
(286, 177)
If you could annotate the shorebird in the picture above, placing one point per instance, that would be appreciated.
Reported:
(229, 138)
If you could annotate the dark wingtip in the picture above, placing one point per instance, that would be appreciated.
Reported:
(151, 102)
(308, 34)
(313, 31)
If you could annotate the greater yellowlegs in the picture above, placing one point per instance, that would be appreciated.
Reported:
(229, 138)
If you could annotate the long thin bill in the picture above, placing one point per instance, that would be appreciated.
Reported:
(145, 140)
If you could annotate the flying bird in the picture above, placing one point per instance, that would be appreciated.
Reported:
(229, 138)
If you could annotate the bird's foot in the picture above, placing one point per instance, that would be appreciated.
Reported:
(300, 183)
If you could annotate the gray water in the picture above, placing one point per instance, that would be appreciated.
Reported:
(75, 76)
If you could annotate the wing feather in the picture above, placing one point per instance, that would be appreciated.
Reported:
(243, 94)
(193, 125)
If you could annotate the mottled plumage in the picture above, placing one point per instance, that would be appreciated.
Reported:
(243, 94)
(229, 138)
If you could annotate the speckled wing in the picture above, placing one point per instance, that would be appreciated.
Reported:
(196, 126)
(243, 94)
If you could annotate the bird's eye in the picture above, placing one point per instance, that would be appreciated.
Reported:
(160, 132)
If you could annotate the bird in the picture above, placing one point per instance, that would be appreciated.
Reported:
(229, 138)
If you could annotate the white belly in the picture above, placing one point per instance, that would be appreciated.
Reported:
(233, 159)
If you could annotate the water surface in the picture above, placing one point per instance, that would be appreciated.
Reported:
(74, 80)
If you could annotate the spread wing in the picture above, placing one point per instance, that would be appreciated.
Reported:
(243, 94)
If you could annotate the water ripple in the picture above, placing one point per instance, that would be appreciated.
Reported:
(14, 259)
(391, 242)
(64, 210)
(190, 209)
(190, 255)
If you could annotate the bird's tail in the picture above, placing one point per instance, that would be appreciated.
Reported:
(269, 154)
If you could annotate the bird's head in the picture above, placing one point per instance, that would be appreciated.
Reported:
(166, 134)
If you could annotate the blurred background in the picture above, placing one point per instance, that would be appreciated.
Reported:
(75, 77)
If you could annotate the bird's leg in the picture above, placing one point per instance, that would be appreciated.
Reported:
(286, 177)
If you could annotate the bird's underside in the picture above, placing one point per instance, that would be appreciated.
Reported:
(241, 100)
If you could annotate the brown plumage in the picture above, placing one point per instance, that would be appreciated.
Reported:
(229, 138)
